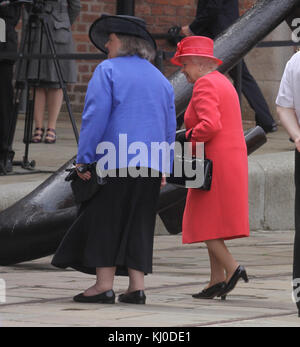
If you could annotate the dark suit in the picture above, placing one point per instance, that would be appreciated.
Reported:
(11, 15)
(212, 18)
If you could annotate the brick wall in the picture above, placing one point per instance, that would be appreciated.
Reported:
(160, 15)
(245, 5)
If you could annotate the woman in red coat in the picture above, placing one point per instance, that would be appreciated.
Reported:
(214, 117)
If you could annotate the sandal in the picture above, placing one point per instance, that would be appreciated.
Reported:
(38, 135)
(50, 136)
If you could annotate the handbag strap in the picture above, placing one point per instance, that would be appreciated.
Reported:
(189, 138)
(190, 135)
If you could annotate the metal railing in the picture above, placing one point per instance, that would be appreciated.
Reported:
(161, 56)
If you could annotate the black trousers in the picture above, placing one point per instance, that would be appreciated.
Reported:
(6, 106)
(296, 266)
(255, 98)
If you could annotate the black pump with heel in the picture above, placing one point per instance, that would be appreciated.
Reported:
(211, 292)
(239, 273)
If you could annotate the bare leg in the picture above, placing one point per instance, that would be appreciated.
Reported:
(39, 106)
(223, 256)
(39, 111)
(54, 101)
(104, 282)
(136, 280)
(217, 270)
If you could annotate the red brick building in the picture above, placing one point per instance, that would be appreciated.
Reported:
(159, 15)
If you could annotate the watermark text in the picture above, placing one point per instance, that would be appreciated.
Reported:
(2, 30)
(296, 31)
(136, 157)
(296, 290)
(2, 291)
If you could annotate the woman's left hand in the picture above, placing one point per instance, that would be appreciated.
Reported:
(84, 176)
(186, 31)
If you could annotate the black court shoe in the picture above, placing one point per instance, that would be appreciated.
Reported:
(137, 297)
(107, 297)
(239, 273)
(211, 292)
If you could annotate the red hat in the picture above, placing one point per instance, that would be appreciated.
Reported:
(199, 46)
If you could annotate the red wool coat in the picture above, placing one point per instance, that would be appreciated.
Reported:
(215, 116)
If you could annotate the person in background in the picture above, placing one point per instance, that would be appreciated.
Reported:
(113, 234)
(212, 18)
(11, 15)
(288, 108)
(62, 14)
(213, 117)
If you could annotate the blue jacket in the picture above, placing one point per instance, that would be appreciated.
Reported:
(130, 104)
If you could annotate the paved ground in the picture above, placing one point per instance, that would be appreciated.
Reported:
(39, 295)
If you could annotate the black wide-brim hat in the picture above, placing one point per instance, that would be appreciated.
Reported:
(126, 25)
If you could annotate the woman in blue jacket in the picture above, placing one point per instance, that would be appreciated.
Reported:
(130, 105)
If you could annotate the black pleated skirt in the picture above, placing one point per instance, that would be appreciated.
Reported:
(115, 228)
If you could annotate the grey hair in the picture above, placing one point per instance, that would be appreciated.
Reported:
(209, 63)
(133, 45)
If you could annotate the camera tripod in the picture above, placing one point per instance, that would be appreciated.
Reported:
(36, 17)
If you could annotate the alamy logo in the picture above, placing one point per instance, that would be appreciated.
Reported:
(296, 32)
(162, 156)
(296, 290)
(2, 30)
(2, 291)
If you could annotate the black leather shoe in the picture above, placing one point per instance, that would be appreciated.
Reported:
(5, 168)
(239, 273)
(107, 297)
(137, 297)
(2, 168)
(274, 128)
(271, 129)
(211, 292)
(9, 166)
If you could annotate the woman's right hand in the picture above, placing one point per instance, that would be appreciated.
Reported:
(84, 176)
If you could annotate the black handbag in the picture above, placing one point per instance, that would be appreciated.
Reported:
(85, 190)
(185, 181)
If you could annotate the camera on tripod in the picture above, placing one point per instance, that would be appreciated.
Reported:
(37, 6)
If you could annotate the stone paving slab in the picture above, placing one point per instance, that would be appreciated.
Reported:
(39, 295)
